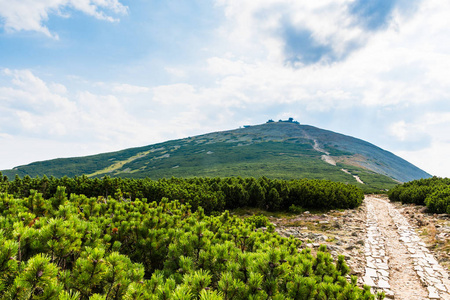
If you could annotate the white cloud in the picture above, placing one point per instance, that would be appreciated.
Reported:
(30, 15)
(129, 89)
(44, 109)
(433, 158)
(402, 66)
(37, 107)
(175, 95)
(30, 93)
(91, 7)
(257, 26)
(225, 66)
(416, 133)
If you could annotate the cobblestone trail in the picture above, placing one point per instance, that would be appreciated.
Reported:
(397, 261)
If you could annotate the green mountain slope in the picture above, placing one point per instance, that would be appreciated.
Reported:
(278, 150)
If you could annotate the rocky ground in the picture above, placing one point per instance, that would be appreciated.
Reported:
(395, 248)
(342, 231)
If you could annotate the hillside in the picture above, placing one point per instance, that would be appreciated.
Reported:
(277, 150)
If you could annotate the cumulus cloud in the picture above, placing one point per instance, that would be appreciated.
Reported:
(31, 107)
(403, 62)
(29, 93)
(308, 32)
(30, 15)
(37, 108)
(290, 30)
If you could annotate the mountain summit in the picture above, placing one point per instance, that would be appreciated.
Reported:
(284, 149)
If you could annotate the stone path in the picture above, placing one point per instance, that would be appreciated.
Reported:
(397, 261)
(377, 267)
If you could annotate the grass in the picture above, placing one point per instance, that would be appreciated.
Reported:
(373, 182)
(279, 150)
(309, 222)
(118, 164)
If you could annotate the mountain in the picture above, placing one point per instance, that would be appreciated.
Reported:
(283, 149)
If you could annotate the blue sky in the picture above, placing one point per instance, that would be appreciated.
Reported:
(88, 76)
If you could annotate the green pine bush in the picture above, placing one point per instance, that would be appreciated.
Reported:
(214, 195)
(433, 192)
(81, 247)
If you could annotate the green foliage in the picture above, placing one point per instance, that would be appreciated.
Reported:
(37, 280)
(439, 200)
(433, 192)
(212, 194)
(296, 209)
(104, 248)
(257, 221)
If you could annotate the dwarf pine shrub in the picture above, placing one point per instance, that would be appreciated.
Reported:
(81, 247)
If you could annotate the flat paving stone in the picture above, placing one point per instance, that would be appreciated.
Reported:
(371, 272)
(421, 262)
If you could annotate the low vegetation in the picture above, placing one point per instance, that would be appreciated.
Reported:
(77, 247)
(212, 194)
(278, 150)
(433, 192)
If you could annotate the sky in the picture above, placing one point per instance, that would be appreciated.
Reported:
(81, 77)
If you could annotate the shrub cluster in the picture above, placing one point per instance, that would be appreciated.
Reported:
(213, 194)
(257, 221)
(433, 192)
(81, 247)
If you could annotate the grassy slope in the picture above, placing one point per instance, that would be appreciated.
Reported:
(368, 155)
(277, 150)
